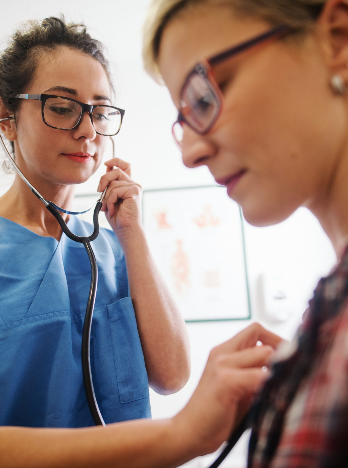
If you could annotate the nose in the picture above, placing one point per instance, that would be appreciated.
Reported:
(196, 149)
(85, 128)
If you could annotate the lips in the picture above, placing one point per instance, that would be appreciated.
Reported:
(230, 179)
(79, 157)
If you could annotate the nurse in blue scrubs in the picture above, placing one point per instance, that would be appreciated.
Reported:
(138, 336)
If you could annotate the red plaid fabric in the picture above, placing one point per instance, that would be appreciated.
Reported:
(301, 416)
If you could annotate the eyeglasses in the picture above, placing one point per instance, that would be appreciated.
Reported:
(200, 97)
(63, 113)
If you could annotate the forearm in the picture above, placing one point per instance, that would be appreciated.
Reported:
(134, 444)
(234, 372)
(162, 329)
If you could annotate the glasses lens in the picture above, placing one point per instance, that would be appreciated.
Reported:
(199, 102)
(107, 120)
(61, 113)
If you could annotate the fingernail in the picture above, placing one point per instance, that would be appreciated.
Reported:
(99, 188)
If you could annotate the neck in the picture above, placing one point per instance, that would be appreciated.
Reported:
(20, 205)
(332, 209)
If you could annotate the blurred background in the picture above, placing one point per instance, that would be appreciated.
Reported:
(284, 262)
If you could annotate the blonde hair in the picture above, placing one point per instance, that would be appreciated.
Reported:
(297, 13)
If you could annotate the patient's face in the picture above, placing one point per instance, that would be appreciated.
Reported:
(275, 142)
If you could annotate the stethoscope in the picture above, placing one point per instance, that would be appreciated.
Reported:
(86, 241)
(86, 335)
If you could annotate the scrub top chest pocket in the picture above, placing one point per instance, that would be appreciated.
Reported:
(117, 362)
(130, 369)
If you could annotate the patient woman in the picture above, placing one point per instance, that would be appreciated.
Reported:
(48, 70)
(261, 90)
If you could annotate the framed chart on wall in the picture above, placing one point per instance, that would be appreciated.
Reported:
(196, 236)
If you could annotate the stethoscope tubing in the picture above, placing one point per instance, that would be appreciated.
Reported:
(86, 334)
(86, 340)
(87, 326)
(233, 439)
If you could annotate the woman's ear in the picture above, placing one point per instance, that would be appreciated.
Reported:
(333, 30)
(7, 123)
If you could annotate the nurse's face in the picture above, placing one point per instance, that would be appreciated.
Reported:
(277, 140)
(61, 157)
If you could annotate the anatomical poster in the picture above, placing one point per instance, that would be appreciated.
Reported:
(196, 237)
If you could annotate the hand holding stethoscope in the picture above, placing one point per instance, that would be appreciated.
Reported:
(122, 200)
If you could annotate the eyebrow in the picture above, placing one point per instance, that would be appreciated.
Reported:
(73, 92)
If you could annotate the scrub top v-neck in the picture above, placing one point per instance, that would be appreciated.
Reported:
(44, 286)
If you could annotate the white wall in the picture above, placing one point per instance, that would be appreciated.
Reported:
(296, 247)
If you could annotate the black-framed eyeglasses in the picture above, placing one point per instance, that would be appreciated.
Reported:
(200, 100)
(63, 113)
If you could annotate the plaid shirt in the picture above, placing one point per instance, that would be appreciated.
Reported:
(301, 414)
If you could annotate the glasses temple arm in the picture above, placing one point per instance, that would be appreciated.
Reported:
(246, 45)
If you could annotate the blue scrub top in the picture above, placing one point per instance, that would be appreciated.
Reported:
(44, 286)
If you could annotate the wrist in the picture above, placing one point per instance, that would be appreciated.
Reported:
(130, 235)
(184, 439)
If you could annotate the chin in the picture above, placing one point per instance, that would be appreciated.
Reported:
(263, 218)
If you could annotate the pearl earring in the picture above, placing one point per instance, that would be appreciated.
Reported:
(338, 85)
